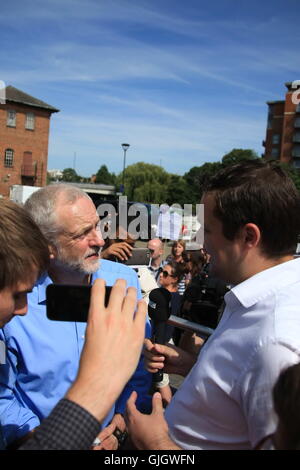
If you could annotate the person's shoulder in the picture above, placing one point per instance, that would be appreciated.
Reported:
(113, 267)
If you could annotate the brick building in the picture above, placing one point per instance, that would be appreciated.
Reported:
(283, 129)
(24, 136)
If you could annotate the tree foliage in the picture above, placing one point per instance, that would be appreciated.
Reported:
(151, 183)
(238, 155)
(145, 182)
(70, 175)
(178, 191)
(103, 176)
(197, 177)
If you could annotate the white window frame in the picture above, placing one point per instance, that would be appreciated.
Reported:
(11, 119)
(9, 158)
(30, 121)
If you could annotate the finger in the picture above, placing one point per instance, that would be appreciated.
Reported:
(128, 246)
(140, 315)
(153, 348)
(117, 296)
(148, 345)
(106, 432)
(129, 303)
(97, 297)
(127, 249)
(157, 404)
(130, 406)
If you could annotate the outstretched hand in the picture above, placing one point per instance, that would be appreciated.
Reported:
(172, 359)
(148, 431)
(114, 338)
(120, 250)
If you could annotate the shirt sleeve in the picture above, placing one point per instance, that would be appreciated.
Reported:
(141, 379)
(257, 385)
(68, 427)
(16, 418)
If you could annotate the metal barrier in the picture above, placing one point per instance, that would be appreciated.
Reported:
(201, 330)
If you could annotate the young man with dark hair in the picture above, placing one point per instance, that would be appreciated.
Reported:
(251, 226)
(24, 256)
(75, 421)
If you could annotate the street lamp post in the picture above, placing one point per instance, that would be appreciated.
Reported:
(125, 148)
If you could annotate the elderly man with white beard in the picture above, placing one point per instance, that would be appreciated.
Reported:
(43, 355)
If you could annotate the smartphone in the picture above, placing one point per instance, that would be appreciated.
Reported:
(69, 302)
(139, 257)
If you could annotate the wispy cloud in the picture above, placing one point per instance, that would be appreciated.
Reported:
(183, 82)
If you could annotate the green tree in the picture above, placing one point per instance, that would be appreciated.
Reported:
(178, 191)
(145, 182)
(238, 155)
(70, 175)
(103, 176)
(197, 177)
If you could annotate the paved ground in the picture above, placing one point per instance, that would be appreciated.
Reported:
(176, 380)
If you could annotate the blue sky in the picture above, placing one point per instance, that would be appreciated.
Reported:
(183, 82)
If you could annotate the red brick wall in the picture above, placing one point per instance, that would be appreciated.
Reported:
(277, 125)
(23, 140)
(289, 129)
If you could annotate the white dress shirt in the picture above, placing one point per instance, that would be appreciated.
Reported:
(226, 400)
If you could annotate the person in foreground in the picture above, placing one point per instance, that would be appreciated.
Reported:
(74, 423)
(114, 336)
(43, 355)
(251, 226)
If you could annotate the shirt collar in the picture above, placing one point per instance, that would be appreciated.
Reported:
(263, 284)
(155, 269)
(41, 286)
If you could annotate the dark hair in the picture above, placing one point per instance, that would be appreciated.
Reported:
(22, 245)
(286, 399)
(261, 193)
(177, 269)
(198, 260)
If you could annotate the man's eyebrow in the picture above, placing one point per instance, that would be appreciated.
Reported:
(88, 227)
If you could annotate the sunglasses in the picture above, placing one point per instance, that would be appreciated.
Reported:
(166, 274)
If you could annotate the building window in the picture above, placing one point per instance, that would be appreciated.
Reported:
(11, 118)
(29, 123)
(9, 158)
(296, 164)
(296, 151)
(275, 152)
(276, 139)
(270, 117)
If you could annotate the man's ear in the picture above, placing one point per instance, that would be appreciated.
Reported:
(52, 251)
(251, 235)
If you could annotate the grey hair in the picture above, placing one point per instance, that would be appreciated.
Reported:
(42, 207)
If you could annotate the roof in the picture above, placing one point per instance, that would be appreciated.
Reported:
(293, 85)
(18, 96)
(275, 102)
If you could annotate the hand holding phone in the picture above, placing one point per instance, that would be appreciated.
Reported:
(113, 344)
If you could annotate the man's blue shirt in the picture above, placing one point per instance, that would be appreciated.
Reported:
(43, 358)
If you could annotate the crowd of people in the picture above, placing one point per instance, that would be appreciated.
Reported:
(69, 385)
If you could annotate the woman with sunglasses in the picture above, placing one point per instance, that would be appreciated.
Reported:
(169, 278)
